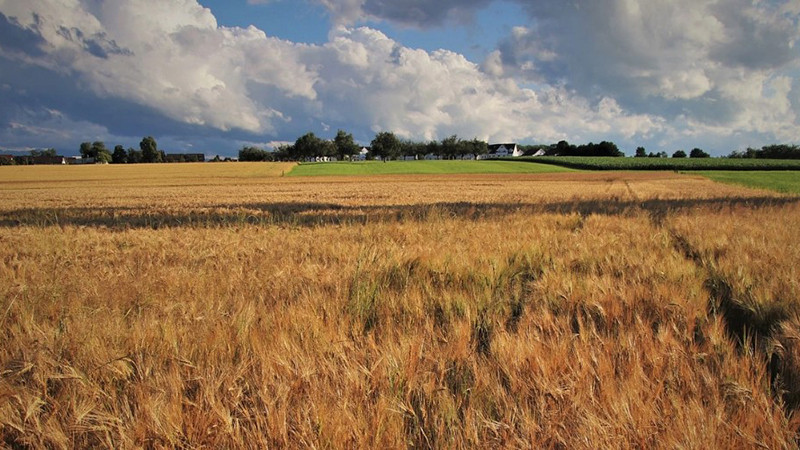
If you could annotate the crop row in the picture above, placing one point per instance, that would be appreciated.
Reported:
(610, 163)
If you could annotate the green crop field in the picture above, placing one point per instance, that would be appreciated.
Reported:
(610, 163)
(781, 181)
(421, 168)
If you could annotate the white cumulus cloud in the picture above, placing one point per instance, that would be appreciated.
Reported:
(722, 63)
(579, 70)
(173, 58)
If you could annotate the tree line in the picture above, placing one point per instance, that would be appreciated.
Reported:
(564, 148)
(148, 152)
(32, 158)
(695, 153)
(385, 145)
(775, 151)
(97, 152)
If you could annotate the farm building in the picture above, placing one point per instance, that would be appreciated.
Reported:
(321, 159)
(503, 151)
(72, 160)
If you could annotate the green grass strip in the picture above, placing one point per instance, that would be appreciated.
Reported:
(781, 181)
(421, 168)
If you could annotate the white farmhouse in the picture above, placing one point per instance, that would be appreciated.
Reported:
(502, 151)
(362, 154)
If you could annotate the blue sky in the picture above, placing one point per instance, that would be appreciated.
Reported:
(296, 21)
(215, 75)
(308, 22)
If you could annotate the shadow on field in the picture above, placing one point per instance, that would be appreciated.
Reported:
(317, 214)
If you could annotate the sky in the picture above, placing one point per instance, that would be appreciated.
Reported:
(212, 76)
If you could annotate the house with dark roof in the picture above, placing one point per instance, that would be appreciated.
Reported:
(74, 160)
(502, 151)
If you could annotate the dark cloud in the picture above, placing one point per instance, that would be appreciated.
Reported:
(18, 39)
(40, 88)
(47, 109)
(756, 43)
(98, 44)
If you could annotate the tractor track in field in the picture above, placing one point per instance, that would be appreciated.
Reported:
(757, 333)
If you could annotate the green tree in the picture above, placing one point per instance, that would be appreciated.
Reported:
(679, 154)
(478, 147)
(698, 153)
(778, 151)
(450, 146)
(283, 152)
(640, 152)
(100, 153)
(86, 149)
(345, 145)
(412, 149)
(385, 145)
(50, 152)
(96, 150)
(134, 156)
(307, 146)
(607, 148)
(150, 153)
(120, 156)
(97, 147)
(327, 148)
(433, 148)
(254, 154)
(563, 148)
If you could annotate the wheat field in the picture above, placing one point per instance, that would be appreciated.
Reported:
(226, 306)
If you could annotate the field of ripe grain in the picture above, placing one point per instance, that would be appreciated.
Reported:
(156, 309)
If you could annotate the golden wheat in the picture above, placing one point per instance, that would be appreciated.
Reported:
(445, 311)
